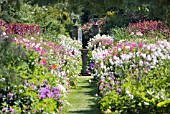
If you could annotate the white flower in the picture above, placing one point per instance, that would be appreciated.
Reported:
(132, 33)
(102, 64)
(111, 61)
(152, 67)
(138, 54)
(148, 47)
(163, 57)
(127, 47)
(127, 91)
(4, 33)
(149, 58)
(146, 63)
(143, 55)
(146, 103)
(155, 61)
(62, 87)
(150, 93)
(32, 38)
(38, 45)
(131, 96)
(155, 53)
(140, 63)
(161, 46)
(119, 49)
(33, 44)
(115, 58)
(139, 34)
(24, 39)
(125, 57)
(51, 51)
(153, 56)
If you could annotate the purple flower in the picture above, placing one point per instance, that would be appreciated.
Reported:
(58, 69)
(118, 90)
(88, 71)
(112, 77)
(45, 81)
(10, 95)
(60, 108)
(100, 87)
(55, 88)
(117, 82)
(43, 92)
(41, 96)
(57, 96)
(61, 102)
(138, 77)
(5, 109)
(12, 110)
(91, 65)
(33, 86)
(47, 86)
(50, 95)
(104, 90)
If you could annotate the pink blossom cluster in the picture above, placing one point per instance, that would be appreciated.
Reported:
(146, 27)
(125, 57)
(100, 41)
(20, 29)
(87, 28)
(132, 53)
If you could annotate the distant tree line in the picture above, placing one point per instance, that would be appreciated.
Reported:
(150, 9)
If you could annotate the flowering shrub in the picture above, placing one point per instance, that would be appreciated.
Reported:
(87, 28)
(100, 41)
(20, 29)
(125, 64)
(149, 27)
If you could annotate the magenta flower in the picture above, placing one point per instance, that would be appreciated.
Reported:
(140, 45)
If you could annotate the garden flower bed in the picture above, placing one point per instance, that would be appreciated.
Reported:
(35, 74)
(132, 76)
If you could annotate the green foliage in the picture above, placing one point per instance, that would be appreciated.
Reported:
(49, 18)
(114, 20)
(11, 55)
(8, 9)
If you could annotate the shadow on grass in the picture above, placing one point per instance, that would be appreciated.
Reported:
(85, 112)
(93, 109)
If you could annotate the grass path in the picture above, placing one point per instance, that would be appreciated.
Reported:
(82, 100)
